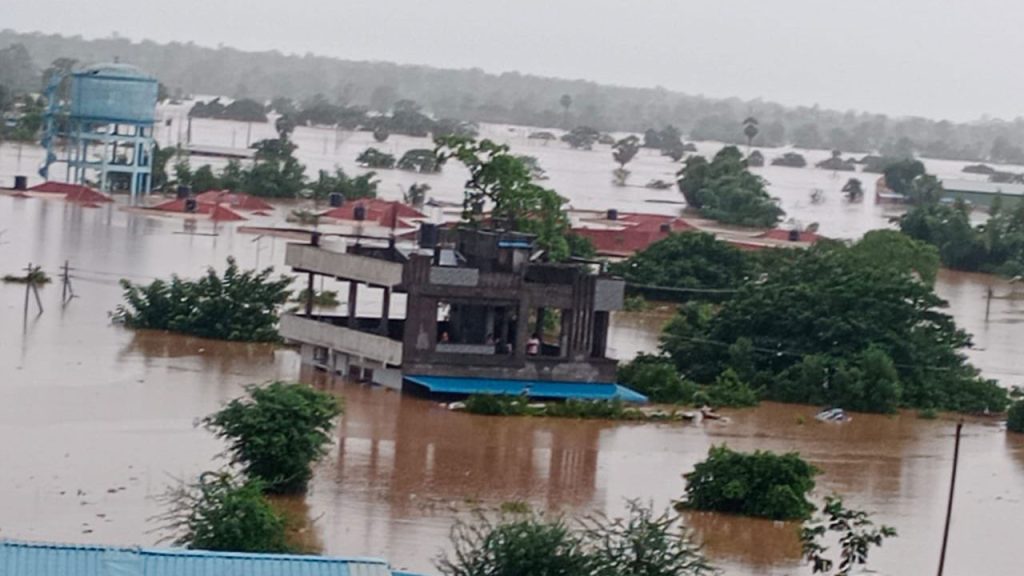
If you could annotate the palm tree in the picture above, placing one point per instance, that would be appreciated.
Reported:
(750, 130)
(566, 102)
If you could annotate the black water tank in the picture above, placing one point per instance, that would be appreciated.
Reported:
(335, 199)
(184, 192)
(613, 214)
(191, 205)
(794, 235)
(429, 235)
(21, 182)
(359, 212)
(666, 228)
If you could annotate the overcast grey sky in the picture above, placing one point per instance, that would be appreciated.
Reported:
(956, 59)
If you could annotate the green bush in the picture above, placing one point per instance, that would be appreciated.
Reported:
(496, 405)
(729, 390)
(642, 543)
(588, 409)
(277, 433)
(761, 484)
(238, 305)
(223, 514)
(658, 379)
(1015, 417)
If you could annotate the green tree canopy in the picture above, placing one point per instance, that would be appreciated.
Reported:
(761, 484)
(500, 179)
(625, 150)
(687, 260)
(237, 305)
(277, 433)
(725, 190)
(350, 187)
(832, 311)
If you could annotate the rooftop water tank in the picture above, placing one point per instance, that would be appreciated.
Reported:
(113, 93)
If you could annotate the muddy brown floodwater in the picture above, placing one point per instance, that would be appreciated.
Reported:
(96, 421)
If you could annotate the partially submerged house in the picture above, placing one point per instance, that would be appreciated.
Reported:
(38, 559)
(476, 305)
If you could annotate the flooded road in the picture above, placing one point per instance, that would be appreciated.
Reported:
(97, 420)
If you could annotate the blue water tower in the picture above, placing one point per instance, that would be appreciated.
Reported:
(107, 129)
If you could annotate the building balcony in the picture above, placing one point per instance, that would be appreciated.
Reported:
(332, 332)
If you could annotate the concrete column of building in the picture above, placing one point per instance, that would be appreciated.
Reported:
(309, 292)
(599, 348)
(522, 328)
(353, 291)
(385, 312)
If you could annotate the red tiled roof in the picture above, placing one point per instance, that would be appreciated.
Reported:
(57, 187)
(222, 214)
(72, 192)
(390, 214)
(633, 233)
(236, 200)
(216, 212)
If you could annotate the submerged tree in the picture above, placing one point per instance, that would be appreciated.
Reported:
(416, 195)
(725, 190)
(750, 130)
(623, 152)
(566, 102)
(277, 433)
(419, 160)
(373, 158)
(237, 305)
(641, 543)
(224, 514)
(760, 484)
(854, 190)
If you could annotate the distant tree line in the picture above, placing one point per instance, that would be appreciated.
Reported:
(476, 96)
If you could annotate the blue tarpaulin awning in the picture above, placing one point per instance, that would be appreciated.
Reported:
(531, 388)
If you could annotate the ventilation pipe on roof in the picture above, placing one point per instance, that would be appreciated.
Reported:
(613, 214)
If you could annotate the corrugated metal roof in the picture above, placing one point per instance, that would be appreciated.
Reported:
(36, 559)
(532, 388)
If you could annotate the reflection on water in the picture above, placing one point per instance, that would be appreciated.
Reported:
(761, 544)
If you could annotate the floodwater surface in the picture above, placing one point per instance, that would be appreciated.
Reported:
(97, 420)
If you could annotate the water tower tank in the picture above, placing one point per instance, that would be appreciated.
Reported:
(113, 93)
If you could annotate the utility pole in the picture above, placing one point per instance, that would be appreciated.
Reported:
(30, 286)
(67, 291)
(988, 303)
(952, 488)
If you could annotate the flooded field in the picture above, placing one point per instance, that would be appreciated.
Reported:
(97, 420)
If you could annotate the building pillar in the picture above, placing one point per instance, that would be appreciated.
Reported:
(353, 291)
(309, 291)
(385, 312)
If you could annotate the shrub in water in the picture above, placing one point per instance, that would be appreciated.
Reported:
(277, 433)
(761, 484)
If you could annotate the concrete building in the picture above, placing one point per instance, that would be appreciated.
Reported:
(475, 310)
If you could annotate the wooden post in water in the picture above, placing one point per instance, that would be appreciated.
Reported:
(952, 488)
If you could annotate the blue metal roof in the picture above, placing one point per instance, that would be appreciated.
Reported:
(35, 559)
(532, 388)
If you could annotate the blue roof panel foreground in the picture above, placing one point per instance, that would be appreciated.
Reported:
(531, 388)
(34, 559)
